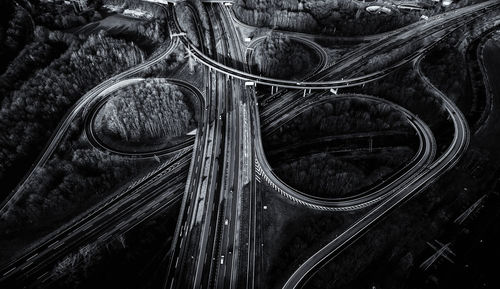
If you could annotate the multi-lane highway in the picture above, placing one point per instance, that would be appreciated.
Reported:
(414, 33)
(272, 104)
(414, 180)
(208, 251)
(216, 244)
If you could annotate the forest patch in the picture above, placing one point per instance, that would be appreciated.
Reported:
(147, 115)
(279, 56)
(341, 147)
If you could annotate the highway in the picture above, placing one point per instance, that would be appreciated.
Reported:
(238, 241)
(199, 270)
(216, 242)
(284, 98)
(406, 186)
(213, 235)
(427, 29)
(240, 236)
(194, 232)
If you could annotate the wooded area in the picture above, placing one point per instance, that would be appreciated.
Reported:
(61, 17)
(332, 17)
(74, 179)
(337, 117)
(168, 64)
(29, 112)
(336, 17)
(149, 110)
(328, 176)
(279, 56)
(445, 66)
(34, 56)
(404, 235)
(62, 186)
(405, 88)
(187, 23)
(195, 28)
(50, 70)
(133, 4)
(16, 30)
(325, 174)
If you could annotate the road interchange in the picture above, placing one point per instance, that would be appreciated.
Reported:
(459, 144)
(227, 155)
